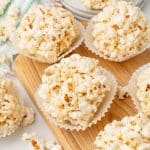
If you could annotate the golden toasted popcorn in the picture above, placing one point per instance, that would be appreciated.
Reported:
(131, 133)
(46, 33)
(12, 112)
(120, 31)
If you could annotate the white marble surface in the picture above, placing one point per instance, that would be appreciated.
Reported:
(146, 9)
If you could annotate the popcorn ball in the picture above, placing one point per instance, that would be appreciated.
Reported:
(46, 33)
(73, 90)
(120, 31)
(97, 4)
(143, 91)
(131, 133)
(12, 111)
(40, 144)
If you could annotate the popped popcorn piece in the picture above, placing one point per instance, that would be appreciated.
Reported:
(126, 134)
(40, 144)
(8, 25)
(97, 4)
(122, 92)
(120, 30)
(72, 90)
(3, 59)
(3, 5)
(11, 109)
(28, 117)
(46, 33)
(143, 91)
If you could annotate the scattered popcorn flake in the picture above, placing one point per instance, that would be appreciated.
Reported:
(46, 33)
(3, 59)
(9, 23)
(28, 117)
(72, 90)
(11, 109)
(3, 5)
(143, 91)
(97, 4)
(40, 144)
(120, 30)
(131, 133)
(122, 92)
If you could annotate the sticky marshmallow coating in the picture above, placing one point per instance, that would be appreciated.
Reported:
(120, 31)
(12, 111)
(97, 4)
(131, 133)
(143, 91)
(46, 33)
(72, 90)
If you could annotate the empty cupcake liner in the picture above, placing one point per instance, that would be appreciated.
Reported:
(132, 85)
(88, 40)
(74, 46)
(104, 106)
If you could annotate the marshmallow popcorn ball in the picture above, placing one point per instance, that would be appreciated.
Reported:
(73, 90)
(131, 133)
(45, 33)
(97, 4)
(12, 112)
(119, 32)
(143, 91)
(139, 89)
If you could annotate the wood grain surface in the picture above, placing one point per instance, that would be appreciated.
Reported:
(29, 72)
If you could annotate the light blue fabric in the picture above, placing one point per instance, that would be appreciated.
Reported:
(25, 6)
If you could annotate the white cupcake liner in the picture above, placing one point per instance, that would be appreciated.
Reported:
(104, 106)
(132, 86)
(73, 47)
(88, 40)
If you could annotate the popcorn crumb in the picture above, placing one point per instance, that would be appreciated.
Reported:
(122, 92)
(3, 59)
(72, 90)
(3, 5)
(120, 30)
(46, 33)
(40, 144)
(126, 134)
(28, 117)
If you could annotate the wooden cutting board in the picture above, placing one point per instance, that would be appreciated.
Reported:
(29, 72)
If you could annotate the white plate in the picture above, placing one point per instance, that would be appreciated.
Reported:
(77, 12)
(76, 4)
(14, 141)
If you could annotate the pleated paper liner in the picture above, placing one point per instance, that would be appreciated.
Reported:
(132, 85)
(88, 40)
(104, 106)
(73, 47)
